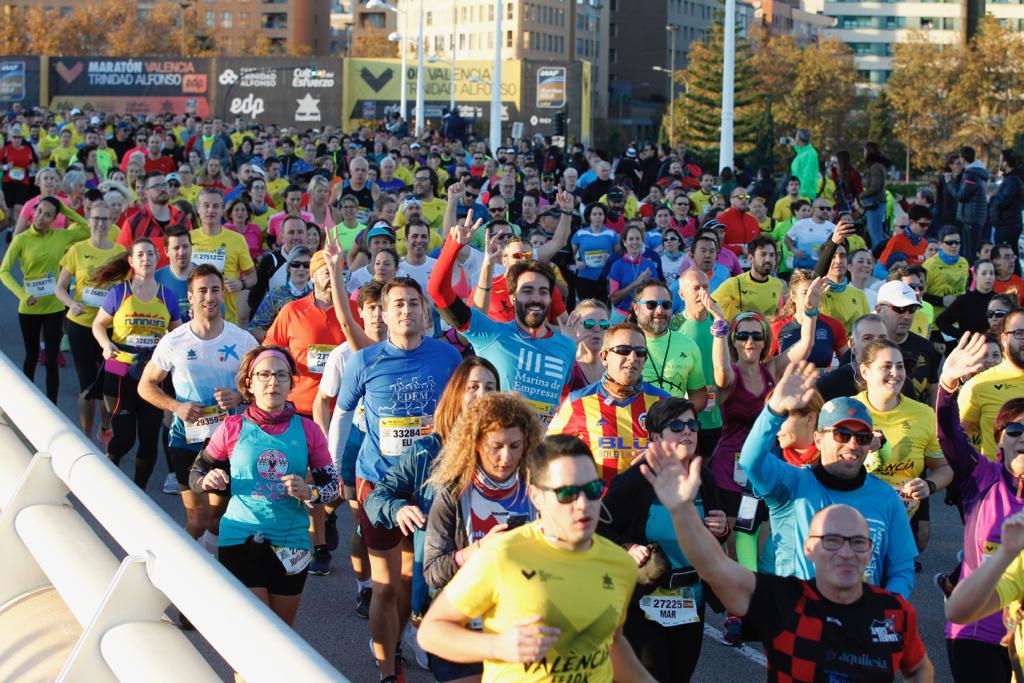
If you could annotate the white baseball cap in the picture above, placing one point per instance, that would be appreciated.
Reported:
(897, 293)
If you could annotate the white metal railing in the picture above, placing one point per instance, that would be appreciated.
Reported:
(120, 606)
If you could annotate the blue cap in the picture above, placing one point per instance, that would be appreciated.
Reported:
(381, 231)
(843, 409)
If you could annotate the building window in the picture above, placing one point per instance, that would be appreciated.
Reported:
(226, 20)
(430, 19)
(508, 15)
(490, 13)
(243, 18)
(211, 19)
(613, 30)
(613, 55)
(508, 37)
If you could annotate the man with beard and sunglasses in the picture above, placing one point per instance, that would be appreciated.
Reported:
(610, 415)
(532, 358)
(674, 361)
(984, 394)
(844, 438)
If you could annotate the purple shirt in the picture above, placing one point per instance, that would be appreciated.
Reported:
(989, 495)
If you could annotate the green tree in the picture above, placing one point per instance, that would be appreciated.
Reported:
(699, 108)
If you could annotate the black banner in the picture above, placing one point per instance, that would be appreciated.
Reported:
(302, 92)
(147, 85)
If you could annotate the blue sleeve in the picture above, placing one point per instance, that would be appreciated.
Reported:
(352, 385)
(768, 475)
(900, 551)
(171, 302)
(393, 492)
(115, 295)
(482, 330)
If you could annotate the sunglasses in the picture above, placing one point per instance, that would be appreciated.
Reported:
(174, 183)
(917, 288)
(652, 304)
(678, 426)
(924, 224)
(471, 195)
(671, 239)
(682, 203)
(568, 494)
(1013, 429)
(591, 324)
(626, 349)
(299, 264)
(843, 435)
(497, 210)
(998, 315)
(901, 310)
(505, 236)
(746, 334)
(951, 242)
(519, 255)
(741, 196)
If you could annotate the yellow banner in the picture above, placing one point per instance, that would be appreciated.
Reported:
(585, 97)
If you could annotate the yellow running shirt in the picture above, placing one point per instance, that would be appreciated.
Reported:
(944, 280)
(229, 253)
(981, 398)
(584, 594)
(910, 438)
(38, 255)
(82, 260)
(845, 306)
(743, 293)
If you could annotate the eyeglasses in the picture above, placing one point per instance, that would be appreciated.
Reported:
(822, 208)
(519, 255)
(505, 236)
(471, 195)
(681, 203)
(747, 334)
(652, 304)
(671, 239)
(1017, 334)
(174, 183)
(833, 542)
(916, 288)
(903, 310)
(265, 376)
(158, 186)
(568, 494)
(952, 242)
(998, 315)
(497, 209)
(843, 435)
(299, 264)
(1013, 429)
(626, 349)
(591, 324)
(100, 219)
(677, 426)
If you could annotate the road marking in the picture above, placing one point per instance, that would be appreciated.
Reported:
(745, 650)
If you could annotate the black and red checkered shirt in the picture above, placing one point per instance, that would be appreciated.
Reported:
(809, 638)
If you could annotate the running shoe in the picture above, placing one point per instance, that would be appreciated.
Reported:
(331, 531)
(171, 485)
(733, 628)
(104, 435)
(943, 583)
(321, 564)
(409, 640)
(363, 603)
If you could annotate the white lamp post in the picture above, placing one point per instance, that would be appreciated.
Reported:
(725, 141)
(495, 136)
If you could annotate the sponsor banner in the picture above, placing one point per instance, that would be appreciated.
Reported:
(373, 88)
(551, 87)
(145, 85)
(299, 92)
(19, 82)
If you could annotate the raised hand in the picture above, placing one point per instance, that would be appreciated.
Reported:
(794, 389)
(564, 200)
(705, 300)
(1013, 534)
(334, 253)
(815, 291)
(572, 327)
(463, 232)
(493, 253)
(456, 190)
(674, 477)
(966, 359)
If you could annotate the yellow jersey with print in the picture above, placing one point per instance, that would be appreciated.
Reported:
(191, 193)
(82, 260)
(276, 188)
(38, 254)
(910, 437)
(228, 252)
(783, 210)
(584, 594)
(981, 398)
(699, 200)
(743, 293)
(945, 280)
(139, 325)
(845, 306)
(1010, 589)
(61, 157)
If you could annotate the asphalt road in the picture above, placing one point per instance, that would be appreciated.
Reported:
(327, 619)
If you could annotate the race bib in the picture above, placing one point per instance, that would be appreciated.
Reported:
(398, 433)
(711, 400)
(316, 357)
(671, 606)
(595, 259)
(44, 286)
(216, 258)
(909, 503)
(17, 174)
(545, 411)
(93, 296)
(738, 475)
(142, 341)
(204, 427)
(294, 560)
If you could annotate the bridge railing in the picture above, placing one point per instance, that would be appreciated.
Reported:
(45, 542)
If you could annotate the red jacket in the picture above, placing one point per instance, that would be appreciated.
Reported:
(141, 223)
(740, 229)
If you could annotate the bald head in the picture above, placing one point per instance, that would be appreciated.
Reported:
(691, 284)
(839, 519)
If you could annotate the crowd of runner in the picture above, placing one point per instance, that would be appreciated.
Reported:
(570, 401)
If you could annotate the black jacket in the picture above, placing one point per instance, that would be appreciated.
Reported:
(1004, 209)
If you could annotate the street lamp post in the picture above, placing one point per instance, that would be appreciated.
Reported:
(402, 37)
(725, 140)
(673, 30)
(495, 136)
(420, 84)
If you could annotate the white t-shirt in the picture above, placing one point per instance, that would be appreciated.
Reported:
(199, 366)
(809, 236)
(420, 273)
(341, 420)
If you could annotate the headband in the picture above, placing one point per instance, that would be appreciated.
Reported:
(269, 353)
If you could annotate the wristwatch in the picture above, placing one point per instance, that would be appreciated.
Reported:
(932, 488)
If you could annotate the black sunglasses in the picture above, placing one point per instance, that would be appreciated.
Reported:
(626, 349)
(678, 426)
(1013, 429)
(900, 310)
(951, 242)
(747, 334)
(299, 264)
(568, 494)
(652, 304)
(591, 324)
(843, 435)
(998, 315)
